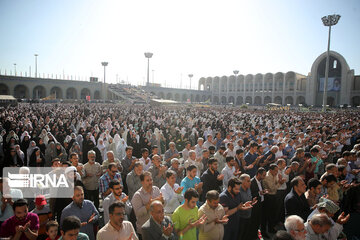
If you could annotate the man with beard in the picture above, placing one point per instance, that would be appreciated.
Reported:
(213, 229)
(117, 227)
(211, 178)
(230, 199)
(8, 196)
(23, 225)
(229, 171)
(185, 217)
(143, 198)
(110, 174)
(115, 196)
(92, 172)
(128, 163)
(258, 191)
(84, 210)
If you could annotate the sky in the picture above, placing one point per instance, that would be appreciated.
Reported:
(205, 38)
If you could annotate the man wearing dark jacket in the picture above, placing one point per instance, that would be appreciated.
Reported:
(211, 178)
(295, 201)
(258, 191)
(157, 227)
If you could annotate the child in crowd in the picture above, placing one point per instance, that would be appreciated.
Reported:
(44, 213)
(52, 228)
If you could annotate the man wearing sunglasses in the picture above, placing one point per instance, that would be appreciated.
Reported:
(110, 174)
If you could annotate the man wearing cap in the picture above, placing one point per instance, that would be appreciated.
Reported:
(44, 214)
(328, 207)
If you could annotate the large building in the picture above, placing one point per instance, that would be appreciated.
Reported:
(290, 87)
(255, 89)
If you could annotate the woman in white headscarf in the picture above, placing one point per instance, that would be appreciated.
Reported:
(120, 149)
(111, 145)
(29, 151)
(79, 140)
(102, 148)
(50, 154)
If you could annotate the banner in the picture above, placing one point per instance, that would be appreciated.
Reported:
(334, 84)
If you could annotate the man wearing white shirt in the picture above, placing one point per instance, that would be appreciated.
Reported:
(146, 161)
(171, 192)
(194, 161)
(282, 190)
(230, 152)
(185, 152)
(229, 171)
(199, 147)
(209, 142)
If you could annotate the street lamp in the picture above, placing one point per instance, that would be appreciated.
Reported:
(104, 64)
(15, 68)
(236, 72)
(148, 55)
(328, 21)
(36, 55)
(190, 76)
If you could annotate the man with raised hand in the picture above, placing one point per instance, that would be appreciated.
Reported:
(158, 227)
(185, 217)
(143, 198)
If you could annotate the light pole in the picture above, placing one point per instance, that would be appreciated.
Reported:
(148, 55)
(236, 72)
(153, 76)
(15, 68)
(104, 64)
(328, 21)
(36, 55)
(190, 76)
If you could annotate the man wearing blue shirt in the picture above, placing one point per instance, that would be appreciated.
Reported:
(84, 210)
(191, 180)
(230, 199)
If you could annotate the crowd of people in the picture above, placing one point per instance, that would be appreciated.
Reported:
(145, 172)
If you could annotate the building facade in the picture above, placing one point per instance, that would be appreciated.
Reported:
(258, 89)
(290, 87)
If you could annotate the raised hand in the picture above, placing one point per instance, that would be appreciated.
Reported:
(91, 218)
(27, 225)
(220, 177)
(19, 228)
(245, 206)
(167, 230)
(160, 198)
(250, 166)
(342, 219)
(223, 220)
(124, 200)
(199, 186)
(179, 190)
(131, 235)
(201, 220)
(238, 172)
